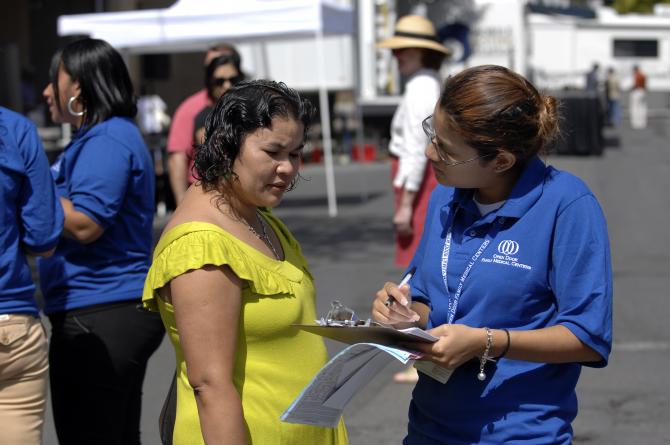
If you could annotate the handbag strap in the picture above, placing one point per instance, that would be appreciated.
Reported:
(168, 415)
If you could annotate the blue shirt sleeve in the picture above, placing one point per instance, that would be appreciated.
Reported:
(39, 206)
(99, 179)
(581, 276)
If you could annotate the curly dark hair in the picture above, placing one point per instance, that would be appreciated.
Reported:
(245, 108)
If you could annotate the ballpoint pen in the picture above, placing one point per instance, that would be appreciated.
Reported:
(405, 280)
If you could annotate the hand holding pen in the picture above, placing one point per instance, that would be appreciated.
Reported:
(393, 303)
(405, 281)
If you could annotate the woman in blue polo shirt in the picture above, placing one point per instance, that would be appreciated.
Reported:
(513, 273)
(92, 285)
(31, 222)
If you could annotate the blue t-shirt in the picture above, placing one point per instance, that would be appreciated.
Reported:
(543, 260)
(107, 173)
(32, 217)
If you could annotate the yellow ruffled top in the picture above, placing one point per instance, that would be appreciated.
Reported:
(274, 360)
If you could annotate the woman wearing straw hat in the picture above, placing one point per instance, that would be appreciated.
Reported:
(419, 55)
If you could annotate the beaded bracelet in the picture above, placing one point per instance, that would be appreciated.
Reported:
(482, 361)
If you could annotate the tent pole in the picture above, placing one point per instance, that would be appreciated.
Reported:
(325, 126)
(358, 94)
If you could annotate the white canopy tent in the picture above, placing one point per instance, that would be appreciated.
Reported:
(193, 25)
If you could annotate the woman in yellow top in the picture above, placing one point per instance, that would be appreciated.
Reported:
(229, 279)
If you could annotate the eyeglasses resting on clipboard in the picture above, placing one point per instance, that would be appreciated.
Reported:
(342, 324)
(341, 316)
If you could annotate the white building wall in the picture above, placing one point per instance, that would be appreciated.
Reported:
(497, 36)
(657, 69)
(553, 46)
(563, 49)
(555, 51)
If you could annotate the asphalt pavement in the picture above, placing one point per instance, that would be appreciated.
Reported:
(351, 256)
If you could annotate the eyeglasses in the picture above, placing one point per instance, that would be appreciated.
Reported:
(427, 126)
(341, 315)
(220, 81)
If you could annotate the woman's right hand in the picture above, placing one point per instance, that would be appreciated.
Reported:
(398, 311)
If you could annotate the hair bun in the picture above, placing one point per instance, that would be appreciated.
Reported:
(547, 118)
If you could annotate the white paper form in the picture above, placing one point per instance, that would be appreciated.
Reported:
(418, 332)
(321, 403)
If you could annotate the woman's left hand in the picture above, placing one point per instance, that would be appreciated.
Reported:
(402, 221)
(457, 344)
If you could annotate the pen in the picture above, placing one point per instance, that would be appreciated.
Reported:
(405, 280)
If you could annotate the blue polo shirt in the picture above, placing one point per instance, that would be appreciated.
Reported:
(30, 211)
(107, 173)
(543, 260)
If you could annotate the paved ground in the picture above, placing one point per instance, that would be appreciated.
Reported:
(351, 255)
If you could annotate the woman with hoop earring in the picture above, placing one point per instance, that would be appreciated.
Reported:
(92, 285)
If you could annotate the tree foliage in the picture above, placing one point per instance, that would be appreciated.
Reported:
(636, 6)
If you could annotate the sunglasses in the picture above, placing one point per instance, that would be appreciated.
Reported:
(220, 81)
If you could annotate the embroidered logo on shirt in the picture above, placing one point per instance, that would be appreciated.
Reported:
(507, 249)
(55, 167)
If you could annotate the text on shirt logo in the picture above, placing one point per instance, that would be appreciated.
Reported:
(505, 256)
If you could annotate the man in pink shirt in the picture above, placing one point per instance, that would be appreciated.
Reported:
(180, 137)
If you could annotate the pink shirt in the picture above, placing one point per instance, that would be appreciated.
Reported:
(180, 138)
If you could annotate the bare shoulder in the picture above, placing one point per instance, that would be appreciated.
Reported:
(198, 206)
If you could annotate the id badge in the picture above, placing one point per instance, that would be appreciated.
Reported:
(432, 370)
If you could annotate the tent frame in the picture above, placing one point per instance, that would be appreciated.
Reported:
(166, 28)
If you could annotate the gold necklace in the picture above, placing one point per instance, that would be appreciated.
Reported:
(262, 236)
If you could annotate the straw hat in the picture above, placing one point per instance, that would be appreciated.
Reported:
(414, 31)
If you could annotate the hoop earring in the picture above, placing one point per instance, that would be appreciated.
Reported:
(71, 111)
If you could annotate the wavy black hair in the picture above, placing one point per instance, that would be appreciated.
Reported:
(106, 89)
(245, 108)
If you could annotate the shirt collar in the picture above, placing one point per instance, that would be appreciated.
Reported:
(423, 72)
(460, 198)
(86, 132)
(525, 193)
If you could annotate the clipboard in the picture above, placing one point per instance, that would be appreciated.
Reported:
(381, 335)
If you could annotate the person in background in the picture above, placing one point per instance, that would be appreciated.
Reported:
(513, 273)
(638, 100)
(419, 58)
(230, 280)
(32, 220)
(613, 93)
(180, 136)
(592, 81)
(221, 74)
(101, 341)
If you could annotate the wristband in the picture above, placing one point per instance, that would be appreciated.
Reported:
(509, 342)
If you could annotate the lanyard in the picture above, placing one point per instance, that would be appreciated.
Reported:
(453, 302)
